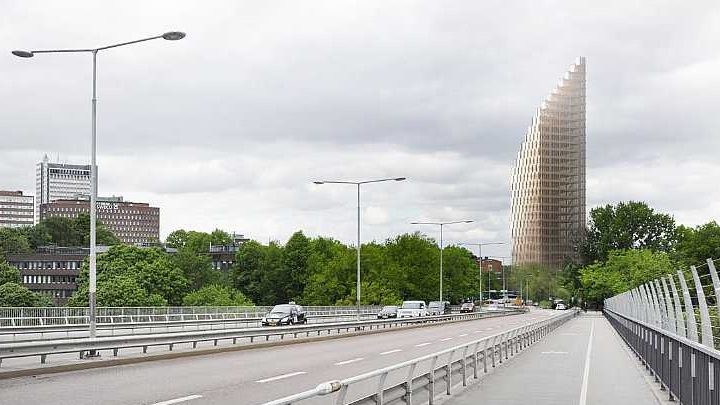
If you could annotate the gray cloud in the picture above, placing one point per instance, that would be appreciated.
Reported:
(228, 127)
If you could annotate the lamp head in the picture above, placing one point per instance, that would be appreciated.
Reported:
(319, 182)
(23, 54)
(400, 178)
(173, 35)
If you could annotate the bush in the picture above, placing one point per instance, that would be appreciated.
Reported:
(216, 296)
(16, 295)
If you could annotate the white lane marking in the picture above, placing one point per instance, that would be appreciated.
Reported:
(423, 344)
(489, 328)
(445, 340)
(390, 351)
(280, 377)
(554, 352)
(349, 361)
(568, 334)
(586, 374)
(478, 331)
(462, 335)
(178, 400)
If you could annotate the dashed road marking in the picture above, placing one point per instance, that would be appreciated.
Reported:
(342, 363)
(445, 340)
(280, 377)
(463, 335)
(390, 351)
(423, 344)
(178, 400)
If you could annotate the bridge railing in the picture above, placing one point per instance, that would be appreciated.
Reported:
(672, 323)
(14, 317)
(425, 379)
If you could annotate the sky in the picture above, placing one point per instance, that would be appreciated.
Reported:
(229, 127)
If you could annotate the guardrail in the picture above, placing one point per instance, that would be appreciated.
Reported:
(25, 333)
(29, 316)
(420, 380)
(44, 348)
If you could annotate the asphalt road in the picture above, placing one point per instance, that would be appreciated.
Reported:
(570, 367)
(250, 376)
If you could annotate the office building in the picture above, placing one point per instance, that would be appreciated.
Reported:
(57, 181)
(548, 182)
(16, 209)
(131, 222)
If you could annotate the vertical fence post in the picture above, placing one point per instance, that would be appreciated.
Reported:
(681, 328)
(689, 309)
(706, 327)
(672, 326)
(661, 303)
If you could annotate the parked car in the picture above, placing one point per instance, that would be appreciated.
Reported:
(285, 314)
(389, 311)
(493, 306)
(439, 308)
(467, 307)
(561, 306)
(412, 309)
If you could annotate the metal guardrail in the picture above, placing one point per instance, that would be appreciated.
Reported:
(685, 369)
(81, 346)
(23, 333)
(29, 316)
(419, 380)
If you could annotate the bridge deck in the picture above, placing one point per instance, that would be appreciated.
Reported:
(556, 371)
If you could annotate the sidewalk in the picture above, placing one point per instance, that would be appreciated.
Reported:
(559, 370)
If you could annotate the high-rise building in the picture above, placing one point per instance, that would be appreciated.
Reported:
(548, 182)
(131, 222)
(16, 209)
(56, 181)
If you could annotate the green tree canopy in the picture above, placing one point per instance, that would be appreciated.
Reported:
(9, 274)
(696, 245)
(150, 269)
(624, 270)
(16, 295)
(13, 240)
(628, 225)
(217, 296)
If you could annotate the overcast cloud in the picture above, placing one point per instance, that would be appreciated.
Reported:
(229, 127)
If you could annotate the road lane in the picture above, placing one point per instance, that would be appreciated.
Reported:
(232, 378)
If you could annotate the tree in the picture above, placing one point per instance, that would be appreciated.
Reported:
(258, 273)
(216, 296)
(176, 239)
(103, 236)
(696, 245)
(295, 262)
(9, 274)
(629, 225)
(150, 269)
(73, 232)
(118, 291)
(623, 270)
(12, 240)
(16, 295)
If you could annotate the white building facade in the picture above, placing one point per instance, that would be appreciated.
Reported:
(16, 209)
(59, 181)
(548, 181)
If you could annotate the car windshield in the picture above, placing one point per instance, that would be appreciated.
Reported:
(281, 309)
(434, 304)
(391, 308)
(467, 304)
(411, 305)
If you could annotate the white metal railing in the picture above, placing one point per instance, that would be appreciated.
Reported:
(419, 380)
(28, 316)
(685, 303)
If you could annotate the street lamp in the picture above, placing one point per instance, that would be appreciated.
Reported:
(358, 184)
(479, 246)
(170, 36)
(441, 224)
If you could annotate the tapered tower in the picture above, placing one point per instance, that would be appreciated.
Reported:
(548, 181)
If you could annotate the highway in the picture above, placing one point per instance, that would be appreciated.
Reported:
(250, 376)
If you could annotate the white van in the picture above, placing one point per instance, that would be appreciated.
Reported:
(412, 309)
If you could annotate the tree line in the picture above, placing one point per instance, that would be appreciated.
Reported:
(626, 244)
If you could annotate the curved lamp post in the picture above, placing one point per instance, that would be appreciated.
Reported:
(441, 224)
(170, 36)
(358, 184)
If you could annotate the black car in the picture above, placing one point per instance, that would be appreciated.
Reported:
(389, 311)
(285, 314)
